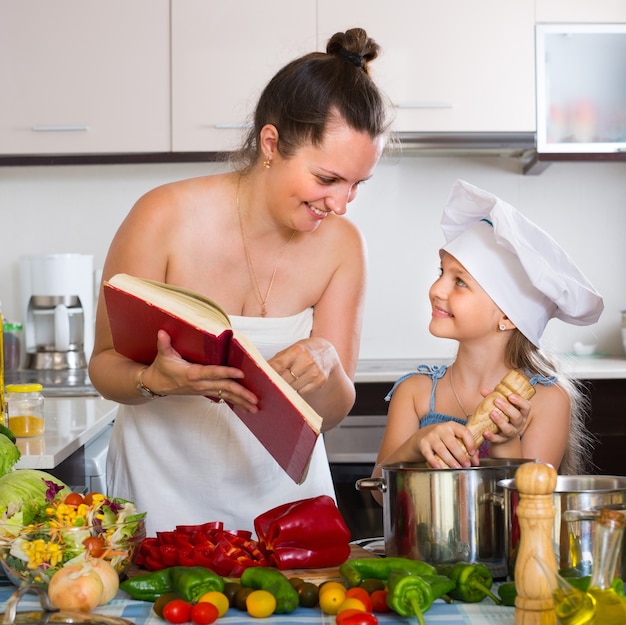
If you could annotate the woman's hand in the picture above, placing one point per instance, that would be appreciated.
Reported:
(170, 374)
(307, 365)
(314, 369)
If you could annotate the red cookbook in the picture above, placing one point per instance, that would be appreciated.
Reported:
(201, 332)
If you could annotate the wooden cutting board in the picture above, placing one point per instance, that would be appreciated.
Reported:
(317, 576)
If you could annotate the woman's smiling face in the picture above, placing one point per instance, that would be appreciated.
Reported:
(323, 179)
(461, 308)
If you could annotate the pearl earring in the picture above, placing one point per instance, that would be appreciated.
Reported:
(267, 163)
(502, 327)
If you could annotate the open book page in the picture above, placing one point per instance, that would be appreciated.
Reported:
(186, 304)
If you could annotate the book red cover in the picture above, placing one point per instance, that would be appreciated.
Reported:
(279, 425)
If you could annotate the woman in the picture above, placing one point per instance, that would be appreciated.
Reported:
(266, 242)
(501, 280)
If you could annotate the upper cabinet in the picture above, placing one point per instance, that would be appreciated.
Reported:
(223, 54)
(581, 89)
(598, 11)
(448, 66)
(83, 76)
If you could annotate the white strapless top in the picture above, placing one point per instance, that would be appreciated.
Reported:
(188, 460)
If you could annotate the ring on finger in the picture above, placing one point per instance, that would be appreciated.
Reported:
(219, 396)
(293, 375)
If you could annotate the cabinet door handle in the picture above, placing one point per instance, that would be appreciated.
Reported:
(424, 105)
(236, 126)
(62, 128)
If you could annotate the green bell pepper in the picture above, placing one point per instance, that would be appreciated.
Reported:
(148, 586)
(356, 570)
(507, 593)
(189, 582)
(409, 594)
(272, 580)
(473, 581)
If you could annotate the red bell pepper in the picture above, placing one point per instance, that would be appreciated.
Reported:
(309, 533)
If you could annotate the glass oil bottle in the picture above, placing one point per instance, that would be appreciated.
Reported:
(609, 531)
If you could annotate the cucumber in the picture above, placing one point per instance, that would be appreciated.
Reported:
(5, 430)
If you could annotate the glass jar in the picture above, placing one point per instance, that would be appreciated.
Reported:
(25, 409)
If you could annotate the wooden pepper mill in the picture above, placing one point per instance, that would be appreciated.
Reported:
(535, 482)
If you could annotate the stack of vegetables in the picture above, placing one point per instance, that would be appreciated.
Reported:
(369, 586)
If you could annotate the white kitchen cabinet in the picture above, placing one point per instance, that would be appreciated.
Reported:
(450, 65)
(83, 76)
(223, 54)
(598, 11)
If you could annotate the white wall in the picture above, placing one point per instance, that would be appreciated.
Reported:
(583, 205)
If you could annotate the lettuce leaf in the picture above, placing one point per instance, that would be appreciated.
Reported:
(9, 455)
(23, 490)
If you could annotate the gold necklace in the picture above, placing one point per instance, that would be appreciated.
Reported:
(456, 396)
(251, 271)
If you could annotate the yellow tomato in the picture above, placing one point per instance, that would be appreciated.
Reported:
(260, 603)
(218, 599)
(351, 603)
(331, 598)
(331, 586)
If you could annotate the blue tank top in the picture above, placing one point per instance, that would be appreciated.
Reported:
(436, 372)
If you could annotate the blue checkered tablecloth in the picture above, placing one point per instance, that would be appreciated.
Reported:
(140, 613)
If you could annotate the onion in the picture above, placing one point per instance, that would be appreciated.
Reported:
(109, 578)
(76, 587)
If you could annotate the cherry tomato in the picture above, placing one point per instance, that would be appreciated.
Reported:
(89, 498)
(204, 613)
(360, 618)
(73, 499)
(162, 601)
(95, 546)
(345, 614)
(362, 595)
(379, 601)
(177, 612)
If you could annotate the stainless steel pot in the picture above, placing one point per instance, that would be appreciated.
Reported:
(577, 498)
(445, 515)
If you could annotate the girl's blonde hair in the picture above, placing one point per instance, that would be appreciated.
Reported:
(522, 354)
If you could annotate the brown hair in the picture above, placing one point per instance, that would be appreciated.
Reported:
(303, 95)
(522, 354)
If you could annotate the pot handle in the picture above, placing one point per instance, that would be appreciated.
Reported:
(371, 483)
(570, 516)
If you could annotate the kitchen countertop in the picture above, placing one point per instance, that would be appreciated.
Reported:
(140, 613)
(580, 367)
(71, 422)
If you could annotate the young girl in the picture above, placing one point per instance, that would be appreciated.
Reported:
(501, 280)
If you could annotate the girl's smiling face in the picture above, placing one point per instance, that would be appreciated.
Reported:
(461, 309)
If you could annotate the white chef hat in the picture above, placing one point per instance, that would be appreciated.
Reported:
(522, 268)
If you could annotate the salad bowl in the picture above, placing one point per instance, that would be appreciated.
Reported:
(60, 533)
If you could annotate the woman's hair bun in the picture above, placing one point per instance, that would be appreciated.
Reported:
(354, 46)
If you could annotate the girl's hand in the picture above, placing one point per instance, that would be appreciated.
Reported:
(442, 440)
(170, 374)
(517, 411)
